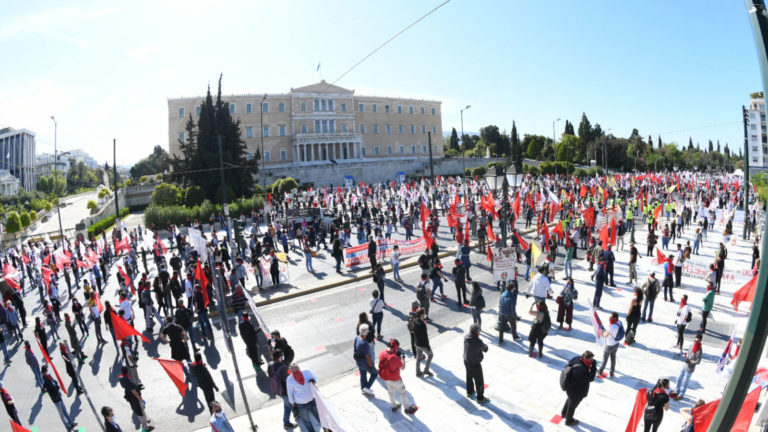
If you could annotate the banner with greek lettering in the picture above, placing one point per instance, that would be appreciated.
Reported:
(504, 260)
(357, 255)
(698, 269)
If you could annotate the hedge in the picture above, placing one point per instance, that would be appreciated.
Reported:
(100, 226)
(178, 215)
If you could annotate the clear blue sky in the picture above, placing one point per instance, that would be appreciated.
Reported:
(105, 69)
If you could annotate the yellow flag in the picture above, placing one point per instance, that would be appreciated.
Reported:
(672, 188)
(535, 253)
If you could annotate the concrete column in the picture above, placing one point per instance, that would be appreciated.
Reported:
(303, 152)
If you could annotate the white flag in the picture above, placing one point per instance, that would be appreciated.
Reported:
(329, 418)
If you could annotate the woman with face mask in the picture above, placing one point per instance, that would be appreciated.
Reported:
(658, 402)
(219, 422)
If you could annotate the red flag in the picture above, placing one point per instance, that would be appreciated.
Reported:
(428, 239)
(269, 197)
(589, 217)
(745, 293)
(523, 243)
(703, 415)
(489, 254)
(50, 363)
(545, 230)
(47, 273)
(604, 237)
(554, 209)
(47, 260)
(657, 213)
(638, 410)
(558, 229)
(661, 258)
(91, 257)
(516, 206)
(123, 329)
(25, 258)
(12, 283)
(200, 276)
(127, 279)
(8, 268)
(425, 214)
(613, 231)
(459, 234)
(123, 244)
(582, 191)
(97, 299)
(489, 233)
(81, 264)
(15, 427)
(175, 372)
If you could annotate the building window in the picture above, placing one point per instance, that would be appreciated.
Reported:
(323, 105)
(303, 107)
(265, 131)
(422, 110)
(362, 149)
(389, 129)
(386, 108)
(389, 150)
(317, 105)
(360, 108)
(423, 129)
(181, 112)
(232, 109)
(754, 148)
(375, 108)
(344, 127)
(281, 107)
(424, 149)
(249, 132)
(399, 109)
(434, 149)
(434, 130)
(362, 129)
(248, 108)
(754, 137)
(324, 124)
(181, 136)
(332, 126)
(410, 109)
(413, 149)
(400, 129)
(402, 149)
(303, 128)
(343, 107)
(376, 129)
(317, 126)
(283, 155)
(282, 130)
(376, 150)
(265, 107)
(754, 159)
(433, 111)
(330, 105)
(413, 129)
(267, 156)
(197, 110)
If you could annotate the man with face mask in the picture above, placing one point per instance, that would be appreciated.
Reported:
(582, 372)
(219, 422)
(298, 387)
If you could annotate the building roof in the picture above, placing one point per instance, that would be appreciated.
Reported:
(321, 87)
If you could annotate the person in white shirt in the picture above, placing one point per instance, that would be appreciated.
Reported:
(127, 308)
(612, 340)
(301, 398)
(540, 286)
(682, 321)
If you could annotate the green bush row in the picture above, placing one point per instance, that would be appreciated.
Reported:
(99, 227)
(178, 215)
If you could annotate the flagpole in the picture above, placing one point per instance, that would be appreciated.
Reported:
(756, 331)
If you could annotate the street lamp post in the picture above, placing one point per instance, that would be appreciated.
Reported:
(463, 144)
(261, 124)
(553, 142)
(55, 181)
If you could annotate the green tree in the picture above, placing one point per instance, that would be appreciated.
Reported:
(586, 135)
(43, 185)
(711, 147)
(288, 184)
(91, 205)
(690, 143)
(454, 142)
(516, 148)
(200, 153)
(157, 162)
(24, 218)
(230, 194)
(13, 223)
(533, 144)
(32, 215)
(492, 138)
(193, 196)
(48, 206)
(567, 148)
(166, 194)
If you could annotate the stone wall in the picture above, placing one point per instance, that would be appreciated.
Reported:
(371, 171)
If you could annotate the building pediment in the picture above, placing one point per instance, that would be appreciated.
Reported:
(322, 87)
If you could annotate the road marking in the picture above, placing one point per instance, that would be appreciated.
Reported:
(556, 419)
(319, 348)
(340, 319)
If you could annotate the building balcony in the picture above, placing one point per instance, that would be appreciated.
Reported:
(325, 137)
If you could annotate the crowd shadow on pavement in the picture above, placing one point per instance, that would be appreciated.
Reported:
(399, 417)
(514, 421)
(447, 381)
(115, 371)
(95, 362)
(211, 354)
(190, 405)
(35, 410)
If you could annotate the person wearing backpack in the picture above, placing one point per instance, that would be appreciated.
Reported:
(422, 295)
(278, 373)
(391, 362)
(411, 325)
(508, 311)
(651, 288)
(613, 335)
(574, 380)
(692, 358)
(539, 327)
(378, 279)
(684, 316)
(658, 402)
(422, 343)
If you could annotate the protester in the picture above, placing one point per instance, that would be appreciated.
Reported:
(477, 304)
(219, 421)
(581, 372)
(391, 362)
(682, 320)
(658, 402)
(473, 358)
(422, 343)
(51, 386)
(508, 311)
(651, 289)
(301, 398)
(612, 338)
(691, 359)
(539, 326)
(565, 304)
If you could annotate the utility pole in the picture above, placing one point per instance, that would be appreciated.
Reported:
(756, 330)
(432, 168)
(114, 172)
(745, 119)
(463, 144)
(220, 289)
(55, 179)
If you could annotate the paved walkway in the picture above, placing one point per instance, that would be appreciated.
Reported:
(524, 392)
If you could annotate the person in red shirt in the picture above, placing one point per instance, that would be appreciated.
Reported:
(390, 364)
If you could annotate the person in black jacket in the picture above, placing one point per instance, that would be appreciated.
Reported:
(251, 338)
(282, 344)
(422, 343)
(109, 420)
(473, 357)
(204, 379)
(51, 386)
(278, 368)
(582, 373)
(372, 247)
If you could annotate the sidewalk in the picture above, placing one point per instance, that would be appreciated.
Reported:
(524, 392)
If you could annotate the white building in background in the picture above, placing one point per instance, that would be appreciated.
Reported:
(757, 138)
(17, 155)
(9, 185)
(80, 155)
(44, 166)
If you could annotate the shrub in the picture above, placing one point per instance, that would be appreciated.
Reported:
(48, 206)
(479, 171)
(100, 226)
(91, 205)
(129, 182)
(530, 169)
(594, 171)
(275, 189)
(104, 192)
(24, 216)
(166, 194)
(288, 184)
(33, 215)
(193, 195)
(13, 223)
(37, 204)
(580, 172)
(467, 172)
(143, 179)
(258, 190)
(178, 215)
